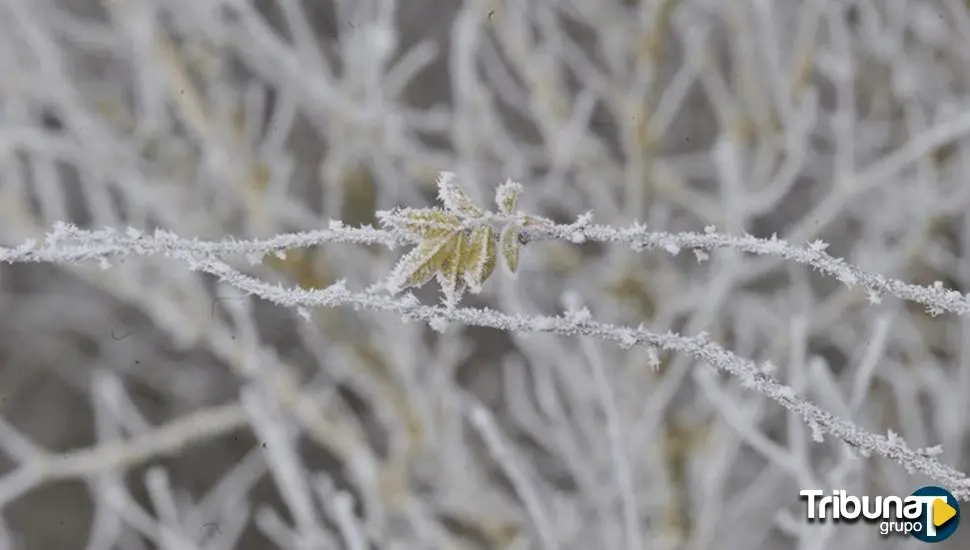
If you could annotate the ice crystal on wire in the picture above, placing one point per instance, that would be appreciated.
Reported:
(874, 297)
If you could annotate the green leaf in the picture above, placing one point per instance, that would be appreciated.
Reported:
(450, 275)
(418, 266)
(507, 195)
(456, 243)
(422, 224)
(479, 262)
(509, 243)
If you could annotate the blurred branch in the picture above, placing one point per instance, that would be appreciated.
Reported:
(202, 425)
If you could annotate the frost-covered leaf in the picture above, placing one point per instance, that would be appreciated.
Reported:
(418, 266)
(421, 224)
(509, 243)
(479, 261)
(456, 244)
(450, 275)
(454, 199)
(507, 195)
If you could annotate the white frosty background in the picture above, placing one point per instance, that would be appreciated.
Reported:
(194, 419)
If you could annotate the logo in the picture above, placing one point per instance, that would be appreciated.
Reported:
(930, 514)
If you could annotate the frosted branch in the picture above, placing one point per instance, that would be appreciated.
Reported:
(699, 347)
(69, 244)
